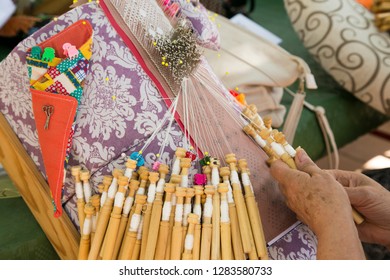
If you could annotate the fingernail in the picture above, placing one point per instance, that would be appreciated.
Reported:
(301, 155)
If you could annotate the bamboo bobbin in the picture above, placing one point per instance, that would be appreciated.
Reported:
(226, 237)
(257, 120)
(176, 180)
(131, 235)
(189, 240)
(156, 214)
(205, 246)
(197, 211)
(281, 152)
(253, 210)
(106, 183)
(131, 165)
(207, 171)
(153, 178)
(268, 123)
(179, 154)
(129, 202)
(281, 139)
(190, 193)
(164, 224)
(85, 240)
(242, 213)
(266, 135)
(234, 225)
(84, 177)
(177, 231)
(113, 226)
(95, 201)
(75, 170)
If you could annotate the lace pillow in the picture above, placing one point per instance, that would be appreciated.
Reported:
(342, 37)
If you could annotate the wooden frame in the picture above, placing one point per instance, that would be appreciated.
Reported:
(35, 191)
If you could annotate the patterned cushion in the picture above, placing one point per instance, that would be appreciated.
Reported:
(342, 37)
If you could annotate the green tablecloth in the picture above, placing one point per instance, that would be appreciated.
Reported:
(349, 118)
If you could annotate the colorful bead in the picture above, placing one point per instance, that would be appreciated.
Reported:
(138, 157)
(200, 179)
(156, 165)
(190, 155)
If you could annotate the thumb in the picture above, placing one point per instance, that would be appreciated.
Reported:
(304, 162)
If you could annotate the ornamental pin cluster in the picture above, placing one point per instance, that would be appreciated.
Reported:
(179, 51)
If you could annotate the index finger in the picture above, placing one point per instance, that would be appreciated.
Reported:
(287, 176)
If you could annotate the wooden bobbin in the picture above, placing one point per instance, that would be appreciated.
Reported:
(176, 180)
(190, 193)
(113, 226)
(281, 139)
(85, 240)
(216, 236)
(253, 210)
(226, 237)
(242, 214)
(156, 214)
(153, 178)
(84, 177)
(104, 215)
(190, 238)
(131, 235)
(266, 135)
(131, 165)
(207, 171)
(234, 225)
(268, 122)
(249, 130)
(163, 234)
(185, 164)
(179, 154)
(257, 120)
(144, 175)
(177, 230)
(128, 211)
(95, 201)
(75, 170)
(198, 211)
(137, 247)
(205, 246)
(106, 183)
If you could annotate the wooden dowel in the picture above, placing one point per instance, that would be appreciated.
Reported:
(226, 238)
(84, 177)
(177, 231)
(95, 201)
(216, 237)
(197, 211)
(189, 240)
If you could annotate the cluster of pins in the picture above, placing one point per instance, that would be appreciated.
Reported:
(272, 141)
(141, 215)
(381, 10)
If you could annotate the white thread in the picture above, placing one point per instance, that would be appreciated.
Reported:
(290, 150)
(87, 226)
(160, 185)
(184, 181)
(87, 192)
(79, 190)
(141, 191)
(224, 212)
(176, 167)
(179, 213)
(230, 192)
(119, 198)
(151, 192)
(245, 179)
(166, 211)
(260, 141)
(187, 210)
(215, 177)
(278, 148)
(129, 173)
(208, 208)
(103, 198)
(198, 210)
(113, 188)
(128, 204)
(189, 242)
(234, 177)
(140, 229)
(135, 221)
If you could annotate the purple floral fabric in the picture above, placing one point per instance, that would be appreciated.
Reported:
(203, 23)
(120, 108)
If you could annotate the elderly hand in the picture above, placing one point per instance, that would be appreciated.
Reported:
(322, 203)
(372, 201)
